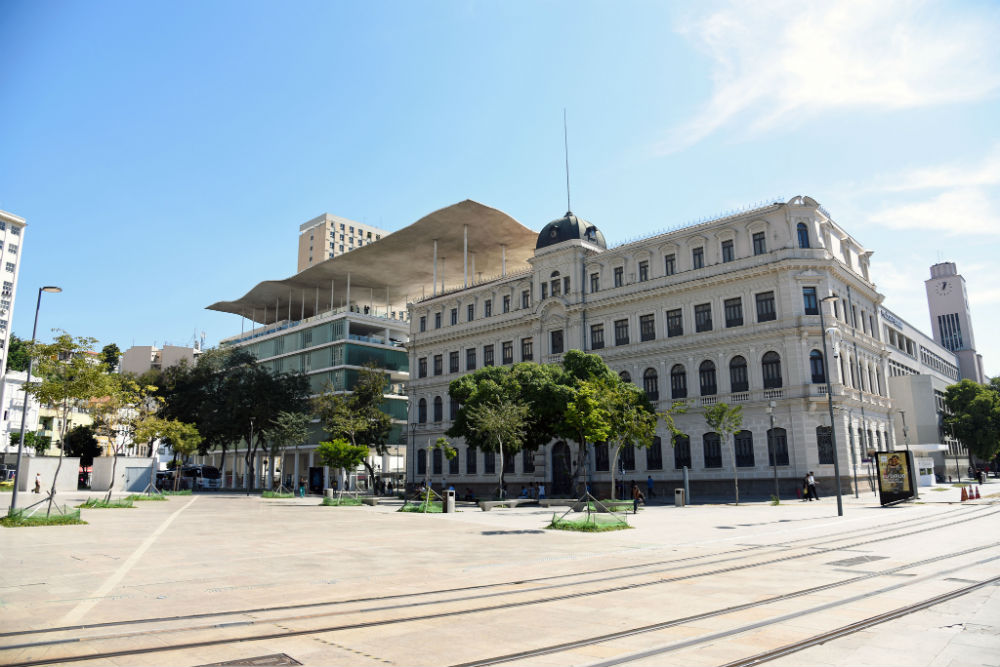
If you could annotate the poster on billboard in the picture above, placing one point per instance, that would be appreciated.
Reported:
(894, 476)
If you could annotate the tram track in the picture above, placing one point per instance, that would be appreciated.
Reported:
(885, 533)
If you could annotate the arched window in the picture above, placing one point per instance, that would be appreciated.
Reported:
(678, 382)
(436, 458)
(438, 409)
(744, 449)
(470, 460)
(712, 447)
(555, 283)
(625, 376)
(421, 462)
(771, 365)
(453, 464)
(626, 457)
(824, 444)
(738, 375)
(453, 408)
(651, 384)
(777, 447)
(817, 367)
(803, 232)
(601, 458)
(654, 455)
(422, 411)
(528, 460)
(706, 378)
(682, 452)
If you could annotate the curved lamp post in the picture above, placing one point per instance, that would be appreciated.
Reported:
(829, 399)
(24, 409)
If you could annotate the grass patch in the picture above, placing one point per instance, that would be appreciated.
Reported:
(341, 502)
(595, 523)
(424, 507)
(139, 497)
(186, 492)
(613, 505)
(775, 500)
(20, 520)
(7, 486)
(96, 503)
(276, 494)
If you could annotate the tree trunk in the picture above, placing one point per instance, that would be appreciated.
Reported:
(62, 450)
(614, 467)
(114, 468)
(500, 493)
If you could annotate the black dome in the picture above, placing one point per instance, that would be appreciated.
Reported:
(568, 228)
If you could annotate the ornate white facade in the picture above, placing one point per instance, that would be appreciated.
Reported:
(725, 310)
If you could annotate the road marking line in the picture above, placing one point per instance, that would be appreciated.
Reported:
(80, 610)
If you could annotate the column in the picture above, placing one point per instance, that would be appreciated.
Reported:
(465, 253)
(434, 286)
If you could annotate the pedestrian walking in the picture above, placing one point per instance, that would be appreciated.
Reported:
(302, 487)
(636, 497)
(649, 486)
(541, 490)
(811, 483)
(805, 488)
(38, 482)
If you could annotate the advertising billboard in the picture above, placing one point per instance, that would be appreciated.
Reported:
(894, 476)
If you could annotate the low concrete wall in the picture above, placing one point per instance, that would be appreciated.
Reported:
(131, 473)
(69, 474)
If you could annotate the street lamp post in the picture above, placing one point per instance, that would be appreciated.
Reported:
(24, 408)
(829, 399)
(770, 446)
(247, 474)
(906, 432)
(854, 459)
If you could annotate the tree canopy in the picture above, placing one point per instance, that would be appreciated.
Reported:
(975, 416)
(110, 356)
(17, 354)
(80, 441)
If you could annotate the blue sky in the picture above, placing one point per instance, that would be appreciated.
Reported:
(164, 154)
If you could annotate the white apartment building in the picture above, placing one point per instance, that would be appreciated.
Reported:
(327, 236)
(12, 403)
(140, 358)
(726, 310)
(11, 242)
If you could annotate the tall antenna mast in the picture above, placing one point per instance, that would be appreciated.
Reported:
(566, 146)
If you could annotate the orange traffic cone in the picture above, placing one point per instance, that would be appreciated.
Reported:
(977, 493)
(965, 495)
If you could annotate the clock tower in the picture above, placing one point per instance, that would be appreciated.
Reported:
(951, 320)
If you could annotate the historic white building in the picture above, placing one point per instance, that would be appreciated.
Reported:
(726, 310)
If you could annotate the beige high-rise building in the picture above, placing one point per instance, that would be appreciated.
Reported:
(327, 236)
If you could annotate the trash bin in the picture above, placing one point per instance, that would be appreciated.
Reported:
(679, 498)
(449, 500)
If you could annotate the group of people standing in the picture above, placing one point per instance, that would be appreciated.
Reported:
(809, 487)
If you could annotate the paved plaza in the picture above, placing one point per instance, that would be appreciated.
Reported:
(220, 578)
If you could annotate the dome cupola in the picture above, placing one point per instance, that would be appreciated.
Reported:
(567, 228)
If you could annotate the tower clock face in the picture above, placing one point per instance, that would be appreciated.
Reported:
(943, 287)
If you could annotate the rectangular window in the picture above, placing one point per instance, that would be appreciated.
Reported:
(470, 460)
(596, 336)
(809, 301)
(488, 308)
(470, 359)
(712, 447)
(525, 299)
(675, 323)
(438, 364)
(744, 449)
(595, 282)
(470, 312)
(527, 353)
(727, 251)
(437, 320)
(703, 317)
(487, 355)
(453, 362)
(423, 323)
(621, 332)
(654, 455)
(698, 258)
(422, 367)
(506, 303)
(454, 316)
(12, 247)
(765, 307)
(759, 244)
(647, 327)
(734, 312)
(489, 462)
(508, 352)
(643, 271)
(528, 460)
(669, 265)
(619, 276)
(15, 230)
(566, 285)
(556, 341)
(682, 452)
(601, 458)
(545, 291)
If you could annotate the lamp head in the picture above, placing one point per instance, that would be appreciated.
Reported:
(52, 288)
(831, 297)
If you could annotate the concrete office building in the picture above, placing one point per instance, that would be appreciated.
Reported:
(920, 371)
(726, 310)
(951, 318)
(12, 398)
(11, 250)
(140, 358)
(327, 236)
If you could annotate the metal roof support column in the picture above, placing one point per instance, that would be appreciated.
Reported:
(315, 310)
(277, 309)
(348, 304)
(434, 286)
(289, 305)
(302, 315)
(473, 268)
(503, 259)
(331, 296)
(465, 252)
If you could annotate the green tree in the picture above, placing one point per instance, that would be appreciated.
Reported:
(17, 354)
(633, 422)
(110, 356)
(36, 441)
(117, 415)
(498, 427)
(66, 375)
(727, 421)
(339, 454)
(184, 440)
(975, 416)
(287, 429)
(357, 416)
(80, 441)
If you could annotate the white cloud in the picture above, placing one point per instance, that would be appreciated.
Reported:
(987, 172)
(960, 211)
(775, 62)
